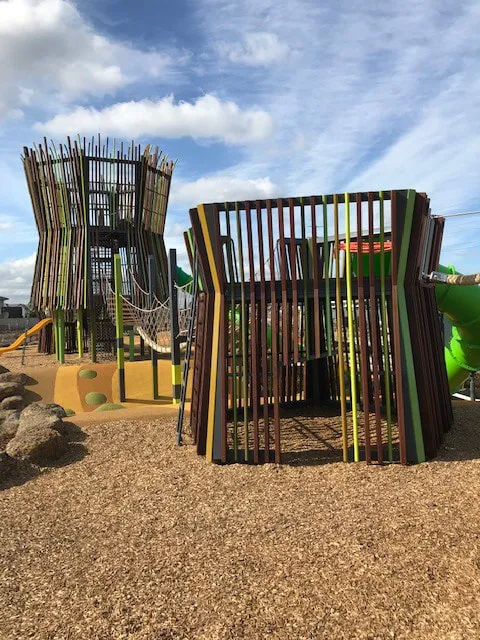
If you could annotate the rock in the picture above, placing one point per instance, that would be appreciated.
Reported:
(37, 414)
(13, 402)
(39, 445)
(6, 413)
(6, 465)
(9, 428)
(19, 378)
(4, 369)
(55, 408)
(8, 389)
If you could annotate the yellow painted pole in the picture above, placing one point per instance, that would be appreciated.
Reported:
(341, 362)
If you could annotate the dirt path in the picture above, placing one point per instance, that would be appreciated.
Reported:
(139, 539)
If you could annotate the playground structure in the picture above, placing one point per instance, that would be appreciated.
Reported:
(325, 301)
(320, 301)
(92, 201)
(101, 269)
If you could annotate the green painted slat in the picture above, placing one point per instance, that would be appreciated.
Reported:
(405, 330)
(384, 327)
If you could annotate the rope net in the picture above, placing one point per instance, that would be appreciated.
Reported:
(151, 322)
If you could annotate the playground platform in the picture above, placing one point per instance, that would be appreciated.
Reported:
(83, 387)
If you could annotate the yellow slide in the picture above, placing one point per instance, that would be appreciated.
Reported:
(31, 332)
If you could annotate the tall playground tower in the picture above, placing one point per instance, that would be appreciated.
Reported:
(92, 200)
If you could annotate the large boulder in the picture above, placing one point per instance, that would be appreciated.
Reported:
(4, 413)
(38, 414)
(6, 465)
(8, 429)
(19, 378)
(38, 445)
(54, 408)
(8, 389)
(16, 403)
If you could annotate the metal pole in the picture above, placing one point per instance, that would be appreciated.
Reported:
(472, 386)
(117, 269)
(25, 340)
(174, 329)
(154, 356)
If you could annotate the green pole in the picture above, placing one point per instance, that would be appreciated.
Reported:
(117, 270)
(61, 335)
(80, 332)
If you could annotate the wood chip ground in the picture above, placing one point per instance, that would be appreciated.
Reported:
(135, 538)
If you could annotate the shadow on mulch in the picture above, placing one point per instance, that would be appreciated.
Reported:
(312, 439)
(462, 442)
(21, 472)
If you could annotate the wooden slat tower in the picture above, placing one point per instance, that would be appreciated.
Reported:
(317, 303)
(91, 200)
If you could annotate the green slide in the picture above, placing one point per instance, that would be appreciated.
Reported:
(461, 305)
(183, 278)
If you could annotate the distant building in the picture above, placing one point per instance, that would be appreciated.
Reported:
(10, 311)
(2, 306)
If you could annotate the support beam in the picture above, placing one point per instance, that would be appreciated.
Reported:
(174, 329)
(117, 268)
(154, 356)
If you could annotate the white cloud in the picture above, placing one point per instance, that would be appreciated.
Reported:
(16, 278)
(256, 49)
(207, 117)
(342, 100)
(174, 240)
(16, 230)
(47, 47)
(220, 188)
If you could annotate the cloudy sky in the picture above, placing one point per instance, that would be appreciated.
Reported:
(255, 98)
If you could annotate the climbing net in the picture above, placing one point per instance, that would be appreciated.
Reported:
(150, 318)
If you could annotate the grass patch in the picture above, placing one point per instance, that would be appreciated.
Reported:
(87, 373)
(95, 397)
(109, 406)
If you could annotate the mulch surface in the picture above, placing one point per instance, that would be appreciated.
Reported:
(136, 538)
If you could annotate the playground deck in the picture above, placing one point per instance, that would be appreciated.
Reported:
(133, 539)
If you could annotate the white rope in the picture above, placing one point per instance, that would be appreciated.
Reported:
(152, 323)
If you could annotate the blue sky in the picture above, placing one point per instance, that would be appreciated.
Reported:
(255, 98)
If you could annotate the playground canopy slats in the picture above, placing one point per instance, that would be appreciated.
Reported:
(295, 313)
(90, 201)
